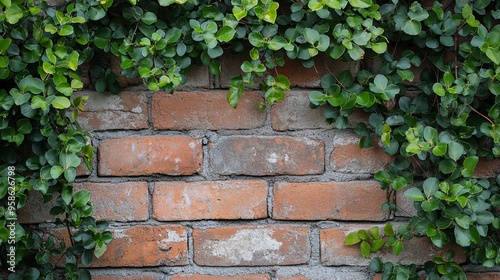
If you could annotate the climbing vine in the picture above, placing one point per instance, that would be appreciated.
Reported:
(449, 51)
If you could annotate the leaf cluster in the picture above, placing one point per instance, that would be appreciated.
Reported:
(437, 135)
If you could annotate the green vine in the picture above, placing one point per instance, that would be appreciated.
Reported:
(436, 136)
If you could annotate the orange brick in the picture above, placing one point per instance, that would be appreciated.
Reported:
(252, 245)
(334, 252)
(210, 200)
(105, 111)
(122, 202)
(142, 246)
(348, 157)
(268, 155)
(329, 201)
(135, 156)
(211, 277)
(206, 110)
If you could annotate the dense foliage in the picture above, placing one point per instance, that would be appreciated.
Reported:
(437, 136)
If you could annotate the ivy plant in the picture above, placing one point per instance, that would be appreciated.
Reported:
(437, 135)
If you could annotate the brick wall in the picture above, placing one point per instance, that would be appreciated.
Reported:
(197, 190)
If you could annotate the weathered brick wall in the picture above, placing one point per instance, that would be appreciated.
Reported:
(197, 190)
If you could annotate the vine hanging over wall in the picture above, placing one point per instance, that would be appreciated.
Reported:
(437, 137)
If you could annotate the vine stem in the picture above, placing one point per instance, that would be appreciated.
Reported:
(481, 114)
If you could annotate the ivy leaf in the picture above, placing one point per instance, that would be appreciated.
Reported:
(469, 166)
(274, 94)
(56, 171)
(13, 14)
(414, 194)
(412, 27)
(173, 35)
(352, 238)
(365, 249)
(376, 265)
(462, 236)
(361, 3)
(455, 150)
(225, 34)
(356, 53)
(431, 185)
(61, 102)
(397, 248)
(67, 194)
(235, 91)
(87, 257)
(33, 85)
(81, 198)
(100, 250)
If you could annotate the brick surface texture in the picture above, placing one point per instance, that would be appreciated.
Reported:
(252, 245)
(268, 155)
(196, 190)
(210, 200)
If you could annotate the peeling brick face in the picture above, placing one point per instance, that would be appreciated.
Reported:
(210, 200)
(265, 155)
(285, 116)
(134, 156)
(127, 110)
(329, 201)
(206, 110)
(251, 246)
(142, 246)
(118, 202)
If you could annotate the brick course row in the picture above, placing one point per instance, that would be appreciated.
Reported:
(242, 246)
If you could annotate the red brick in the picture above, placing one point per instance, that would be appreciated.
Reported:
(142, 246)
(348, 157)
(294, 113)
(135, 156)
(329, 201)
(487, 168)
(252, 245)
(210, 200)
(206, 110)
(105, 111)
(142, 276)
(267, 155)
(82, 170)
(211, 277)
(334, 252)
(122, 202)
